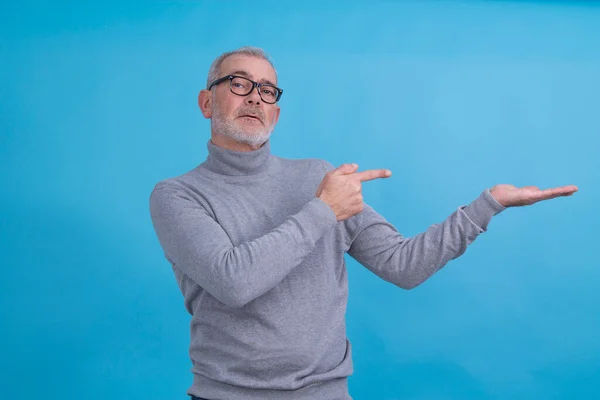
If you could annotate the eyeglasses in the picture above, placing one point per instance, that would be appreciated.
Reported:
(243, 87)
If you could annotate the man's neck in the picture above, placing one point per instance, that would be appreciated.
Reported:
(231, 144)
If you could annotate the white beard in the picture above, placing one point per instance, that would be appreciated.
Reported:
(222, 125)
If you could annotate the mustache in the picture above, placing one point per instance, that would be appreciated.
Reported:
(253, 112)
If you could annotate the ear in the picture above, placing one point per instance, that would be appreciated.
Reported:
(277, 111)
(205, 102)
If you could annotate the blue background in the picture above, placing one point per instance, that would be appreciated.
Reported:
(98, 103)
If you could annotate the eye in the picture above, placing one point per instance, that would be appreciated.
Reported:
(241, 83)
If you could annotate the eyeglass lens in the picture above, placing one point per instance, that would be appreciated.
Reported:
(243, 86)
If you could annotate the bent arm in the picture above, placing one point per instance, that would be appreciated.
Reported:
(408, 262)
(235, 275)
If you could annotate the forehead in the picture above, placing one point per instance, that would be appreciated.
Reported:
(256, 68)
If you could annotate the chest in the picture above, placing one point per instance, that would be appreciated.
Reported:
(250, 210)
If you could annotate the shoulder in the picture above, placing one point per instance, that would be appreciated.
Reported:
(178, 184)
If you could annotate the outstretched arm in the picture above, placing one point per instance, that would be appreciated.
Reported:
(408, 262)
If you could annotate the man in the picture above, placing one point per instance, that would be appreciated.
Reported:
(257, 245)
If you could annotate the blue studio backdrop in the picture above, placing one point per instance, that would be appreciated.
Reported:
(98, 103)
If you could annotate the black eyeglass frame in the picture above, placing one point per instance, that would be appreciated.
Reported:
(254, 85)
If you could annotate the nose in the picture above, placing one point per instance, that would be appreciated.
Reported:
(253, 97)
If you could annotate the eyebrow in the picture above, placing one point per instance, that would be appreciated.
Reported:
(247, 75)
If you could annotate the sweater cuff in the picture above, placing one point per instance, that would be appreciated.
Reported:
(482, 209)
(322, 211)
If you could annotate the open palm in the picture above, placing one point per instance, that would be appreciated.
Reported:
(511, 196)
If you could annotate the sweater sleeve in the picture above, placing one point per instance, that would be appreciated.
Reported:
(235, 275)
(408, 262)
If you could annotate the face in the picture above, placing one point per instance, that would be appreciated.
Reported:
(245, 119)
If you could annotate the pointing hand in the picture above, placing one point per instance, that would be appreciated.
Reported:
(341, 189)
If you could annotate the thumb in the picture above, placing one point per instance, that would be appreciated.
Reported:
(345, 169)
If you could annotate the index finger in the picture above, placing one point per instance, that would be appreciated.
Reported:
(373, 174)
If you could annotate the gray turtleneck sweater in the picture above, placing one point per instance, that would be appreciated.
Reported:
(260, 262)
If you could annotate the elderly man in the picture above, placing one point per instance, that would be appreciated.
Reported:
(257, 245)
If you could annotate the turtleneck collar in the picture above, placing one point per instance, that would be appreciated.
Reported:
(237, 163)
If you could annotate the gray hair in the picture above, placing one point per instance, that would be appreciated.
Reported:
(213, 72)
